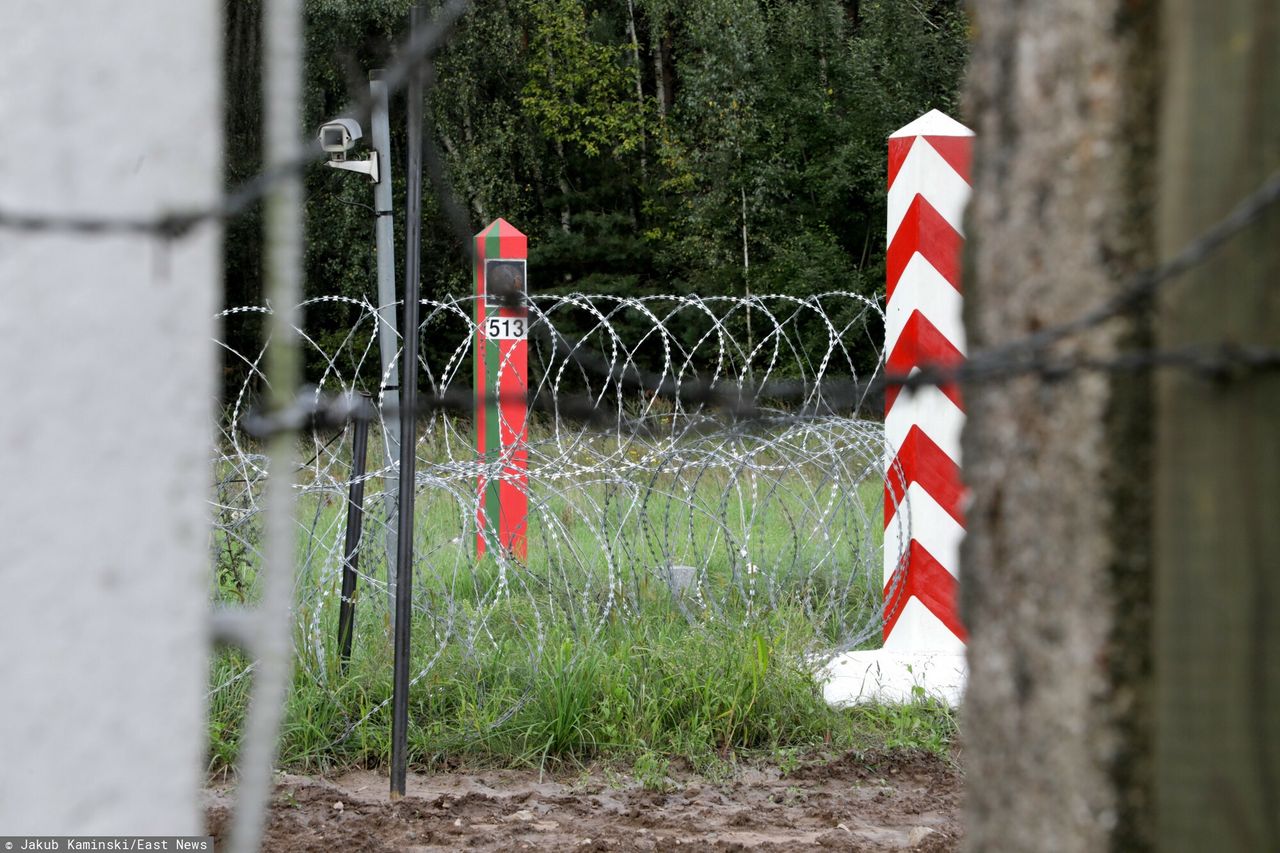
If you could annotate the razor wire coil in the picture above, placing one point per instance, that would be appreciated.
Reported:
(709, 520)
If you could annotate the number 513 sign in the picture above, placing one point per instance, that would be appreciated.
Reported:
(506, 328)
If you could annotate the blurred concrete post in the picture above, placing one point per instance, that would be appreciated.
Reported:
(1055, 581)
(108, 379)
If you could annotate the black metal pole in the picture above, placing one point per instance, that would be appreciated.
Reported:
(408, 429)
(351, 549)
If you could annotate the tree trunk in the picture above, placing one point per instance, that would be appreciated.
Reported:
(636, 68)
(656, 31)
(668, 72)
(562, 180)
(1055, 585)
(1218, 454)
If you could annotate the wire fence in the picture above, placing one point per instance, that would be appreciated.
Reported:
(654, 507)
(676, 459)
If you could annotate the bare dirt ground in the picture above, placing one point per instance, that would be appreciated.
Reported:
(864, 802)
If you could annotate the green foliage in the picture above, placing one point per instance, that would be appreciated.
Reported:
(716, 146)
(576, 89)
(923, 723)
(651, 771)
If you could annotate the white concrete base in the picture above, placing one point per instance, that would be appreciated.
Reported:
(894, 677)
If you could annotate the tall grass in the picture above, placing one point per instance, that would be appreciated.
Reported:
(650, 684)
(584, 652)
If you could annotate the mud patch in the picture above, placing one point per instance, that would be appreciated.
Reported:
(859, 801)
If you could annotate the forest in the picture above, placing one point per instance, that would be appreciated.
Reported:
(645, 146)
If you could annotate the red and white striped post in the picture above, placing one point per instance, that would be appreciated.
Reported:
(502, 384)
(924, 639)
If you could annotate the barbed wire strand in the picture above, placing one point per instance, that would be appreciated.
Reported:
(709, 426)
(1029, 355)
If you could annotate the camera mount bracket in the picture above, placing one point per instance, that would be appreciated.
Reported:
(365, 167)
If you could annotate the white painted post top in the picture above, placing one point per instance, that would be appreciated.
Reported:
(933, 123)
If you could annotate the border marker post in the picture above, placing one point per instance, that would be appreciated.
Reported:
(924, 640)
(502, 386)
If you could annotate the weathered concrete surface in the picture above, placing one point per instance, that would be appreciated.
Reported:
(107, 381)
(1217, 481)
(1055, 569)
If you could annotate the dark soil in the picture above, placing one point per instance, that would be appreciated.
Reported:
(859, 801)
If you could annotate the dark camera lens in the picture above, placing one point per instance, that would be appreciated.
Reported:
(331, 137)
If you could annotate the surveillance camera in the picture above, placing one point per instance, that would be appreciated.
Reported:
(339, 136)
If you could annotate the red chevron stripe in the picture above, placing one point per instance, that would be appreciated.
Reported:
(956, 150)
(925, 578)
(921, 461)
(899, 148)
(920, 345)
(924, 230)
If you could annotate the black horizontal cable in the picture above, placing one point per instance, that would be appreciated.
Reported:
(1027, 356)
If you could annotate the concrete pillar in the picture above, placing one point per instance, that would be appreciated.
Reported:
(111, 109)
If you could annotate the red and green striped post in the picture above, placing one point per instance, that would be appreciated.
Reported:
(502, 384)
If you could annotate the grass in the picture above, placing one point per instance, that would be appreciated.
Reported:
(585, 654)
(651, 689)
